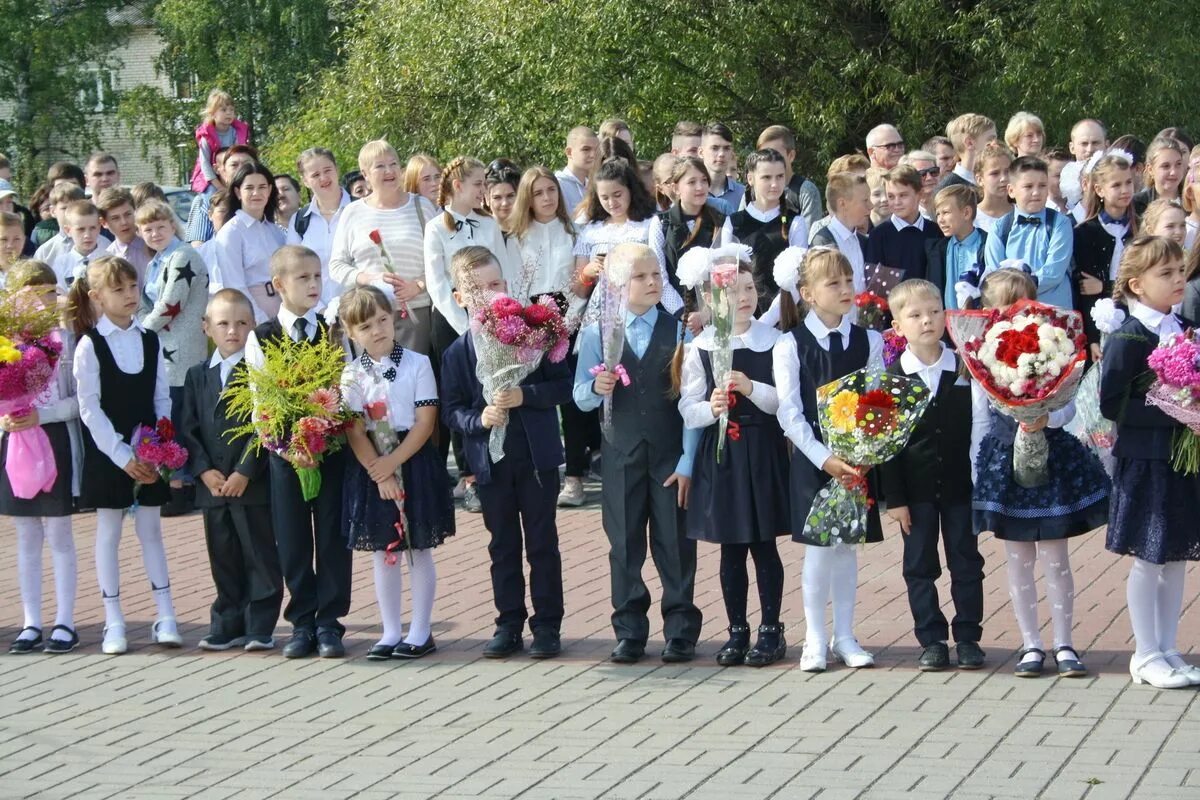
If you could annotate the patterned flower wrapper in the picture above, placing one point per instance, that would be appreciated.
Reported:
(385, 440)
(1176, 392)
(612, 341)
(866, 418)
(724, 307)
(1029, 359)
(1095, 431)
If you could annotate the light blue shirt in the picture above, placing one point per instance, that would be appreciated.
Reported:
(1047, 252)
(961, 257)
(154, 270)
(729, 200)
(638, 330)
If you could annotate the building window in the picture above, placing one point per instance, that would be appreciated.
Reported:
(97, 91)
(185, 87)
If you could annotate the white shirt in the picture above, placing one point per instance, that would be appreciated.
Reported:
(318, 237)
(1078, 213)
(930, 374)
(71, 265)
(786, 363)
(227, 364)
(899, 224)
(1158, 323)
(208, 252)
(412, 388)
(126, 347)
(1189, 239)
(693, 391)
(985, 222)
(964, 173)
(546, 260)
(287, 320)
(658, 239)
(52, 248)
(244, 249)
(848, 245)
(603, 236)
(797, 229)
(441, 243)
(1118, 233)
(135, 253)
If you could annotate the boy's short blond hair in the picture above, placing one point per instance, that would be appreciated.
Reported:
(155, 211)
(618, 266)
(82, 208)
(851, 162)
(65, 193)
(288, 258)
(464, 263)
(962, 196)
(11, 220)
(232, 297)
(876, 177)
(966, 126)
(910, 290)
(840, 187)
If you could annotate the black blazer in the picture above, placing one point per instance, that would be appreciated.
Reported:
(954, 179)
(203, 423)
(462, 408)
(935, 258)
(1092, 255)
(1143, 431)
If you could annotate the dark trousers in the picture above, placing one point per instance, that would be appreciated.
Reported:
(441, 336)
(580, 431)
(519, 508)
(245, 570)
(183, 473)
(314, 529)
(922, 568)
(633, 500)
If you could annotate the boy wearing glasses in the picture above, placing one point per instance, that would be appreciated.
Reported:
(969, 134)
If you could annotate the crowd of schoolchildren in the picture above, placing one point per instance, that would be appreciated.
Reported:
(158, 320)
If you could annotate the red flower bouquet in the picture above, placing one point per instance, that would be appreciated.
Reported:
(158, 448)
(872, 310)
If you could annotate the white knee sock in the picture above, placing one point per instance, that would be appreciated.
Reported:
(1141, 594)
(1170, 605)
(1060, 588)
(108, 569)
(844, 587)
(29, 571)
(1022, 589)
(389, 592)
(62, 552)
(422, 578)
(148, 524)
(815, 579)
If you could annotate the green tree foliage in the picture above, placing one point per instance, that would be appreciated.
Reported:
(52, 53)
(494, 77)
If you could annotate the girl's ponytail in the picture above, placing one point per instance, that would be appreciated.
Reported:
(79, 307)
(677, 361)
(789, 311)
(458, 168)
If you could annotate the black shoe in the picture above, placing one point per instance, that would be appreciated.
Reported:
(329, 644)
(770, 647)
(546, 643)
(380, 652)
(22, 646)
(627, 651)
(936, 657)
(60, 646)
(970, 656)
(503, 644)
(678, 651)
(1029, 669)
(182, 502)
(1069, 665)
(217, 642)
(734, 651)
(410, 651)
(302, 644)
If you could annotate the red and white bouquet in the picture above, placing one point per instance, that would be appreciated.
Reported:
(510, 341)
(1176, 390)
(1029, 359)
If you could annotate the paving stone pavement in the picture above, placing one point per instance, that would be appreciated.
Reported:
(161, 724)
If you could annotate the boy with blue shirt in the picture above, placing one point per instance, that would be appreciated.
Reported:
(518, 493)
(1037, 236)
(962, 249)
(716, 147)
(646, 463)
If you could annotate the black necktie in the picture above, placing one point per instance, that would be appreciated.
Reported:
(1035, 221)
(301, 328)
(835, 344)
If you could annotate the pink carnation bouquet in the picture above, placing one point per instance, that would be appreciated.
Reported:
(157, 447)
(510, 341)
(1176, 390)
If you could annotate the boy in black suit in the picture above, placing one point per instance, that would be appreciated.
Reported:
(233, 489)
(899, 242)
(961, 251)
(928, 486)
(519, 493)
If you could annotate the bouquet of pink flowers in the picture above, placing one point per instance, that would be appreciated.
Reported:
(510, 341)
(29, 353)
(893, 346)
(1029, 359)
(157, 447)
(1176, 390)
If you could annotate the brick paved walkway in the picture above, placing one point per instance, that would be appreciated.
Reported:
(192, 724)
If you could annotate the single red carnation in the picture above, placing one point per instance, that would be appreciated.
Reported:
(376, 237)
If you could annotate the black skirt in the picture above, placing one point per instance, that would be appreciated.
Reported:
(1154, 512)
(744, 498)
(369, 521)
(57, 501)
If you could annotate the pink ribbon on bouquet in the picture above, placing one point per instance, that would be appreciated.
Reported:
(618, 370)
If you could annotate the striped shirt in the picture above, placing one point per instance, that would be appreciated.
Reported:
(403, 235)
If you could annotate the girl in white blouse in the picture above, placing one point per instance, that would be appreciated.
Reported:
(247, 241)
(546, 237)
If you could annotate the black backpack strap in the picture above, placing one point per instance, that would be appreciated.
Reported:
(303, 219)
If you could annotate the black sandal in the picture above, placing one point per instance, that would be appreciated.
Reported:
(60, 646)
(770, 647)
(1069, 667)
(1030, 669)
(21, 646)
(734, 651)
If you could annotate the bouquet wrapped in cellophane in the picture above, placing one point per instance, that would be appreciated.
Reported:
(613, 302)
(293, 405)
(385, 440)
(1176, 391)
(866, 418)
(1029, 360)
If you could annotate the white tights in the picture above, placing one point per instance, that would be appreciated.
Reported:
(32, 533)
(147, 525)
(1060, 589)
(829, 571)
(1155, 597)
(389, 592)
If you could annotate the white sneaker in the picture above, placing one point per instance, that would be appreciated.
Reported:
(166, 634)
(460, 489)
(1189, 671)
(114, 641)
(813, 658)
(571, 495)
(259, 643)
(850, 653)
(1154, 670)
